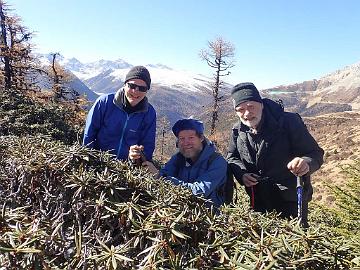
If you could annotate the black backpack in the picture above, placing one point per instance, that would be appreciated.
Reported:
(277, 110)
(227, 189)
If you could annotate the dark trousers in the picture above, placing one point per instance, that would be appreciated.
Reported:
(272, 201)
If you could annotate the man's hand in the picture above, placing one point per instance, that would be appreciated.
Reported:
(249, 179)
(151, 168)
(298, 166)
(134, 152)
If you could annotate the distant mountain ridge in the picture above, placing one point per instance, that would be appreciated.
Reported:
(74, 83)
(174, 93)
(334, 92)
(341, 86)
(177, 94)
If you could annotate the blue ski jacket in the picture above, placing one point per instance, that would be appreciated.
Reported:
(200, 177)
(110, 128)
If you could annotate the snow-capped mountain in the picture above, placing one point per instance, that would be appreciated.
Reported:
(89, 70)
(178, 94)
(109, 80)
(45, 82)
(173, 93)
(105, 76)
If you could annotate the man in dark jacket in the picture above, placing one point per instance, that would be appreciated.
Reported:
(124, 122)
(268, 149)
(196, 166)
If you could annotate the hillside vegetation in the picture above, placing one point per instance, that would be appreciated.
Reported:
(339, 135)
(20, 114)
(68, 207)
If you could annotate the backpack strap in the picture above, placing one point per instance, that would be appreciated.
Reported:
(212, 157)
(229, 181)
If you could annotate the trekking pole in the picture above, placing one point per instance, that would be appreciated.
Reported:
(252, 198)
(299, 192)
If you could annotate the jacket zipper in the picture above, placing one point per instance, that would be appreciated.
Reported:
(122, 135)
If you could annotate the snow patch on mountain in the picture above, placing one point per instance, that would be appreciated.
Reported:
(346, 78)
(115, 71)
(179, 79)
(168, 77)
(92, 69)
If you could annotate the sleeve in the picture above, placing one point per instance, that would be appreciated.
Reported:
(233, 157)
(169, 169)
(149, 134)
(208, 182)
(93, 124)
(303, 144)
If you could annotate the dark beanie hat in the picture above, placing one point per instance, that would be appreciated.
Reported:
(139, 72)
(245, 92)
(188, 124)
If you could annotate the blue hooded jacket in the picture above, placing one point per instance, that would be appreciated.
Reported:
(201, 177)
(110, 128)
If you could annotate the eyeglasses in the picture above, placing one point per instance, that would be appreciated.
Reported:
(140, 88)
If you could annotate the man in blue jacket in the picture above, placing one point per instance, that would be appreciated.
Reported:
(124, 123)
(196, 165)
(268, 149)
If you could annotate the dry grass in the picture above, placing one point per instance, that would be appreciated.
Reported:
(339, 135)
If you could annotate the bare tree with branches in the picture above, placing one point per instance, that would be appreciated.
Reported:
(219, 56)
(164, 143)
(62, 91)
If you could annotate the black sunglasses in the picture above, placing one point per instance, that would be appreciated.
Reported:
(140, 88)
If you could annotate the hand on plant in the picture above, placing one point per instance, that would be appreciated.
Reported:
(151, 168)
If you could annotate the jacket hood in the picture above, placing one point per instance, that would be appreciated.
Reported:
(276, 109)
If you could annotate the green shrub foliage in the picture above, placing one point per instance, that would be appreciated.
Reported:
(20, 115)
(68, 207)
(344, 218)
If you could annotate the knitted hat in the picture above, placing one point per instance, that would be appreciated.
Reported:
(245, 92)
(139, 72)
(188, 124)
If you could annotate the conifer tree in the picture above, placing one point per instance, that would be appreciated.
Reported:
(15, 53)
(348, 198)
(165, 139)
(219, 56)
(60, 78)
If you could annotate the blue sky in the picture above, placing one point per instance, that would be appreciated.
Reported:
(276, 41)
